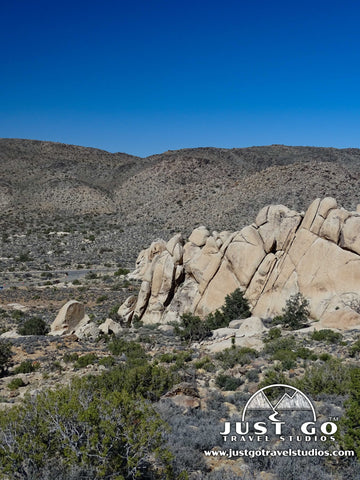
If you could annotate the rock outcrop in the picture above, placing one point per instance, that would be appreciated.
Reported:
(70, 319)
(283, 252)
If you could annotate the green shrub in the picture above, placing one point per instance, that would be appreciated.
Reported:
(225, 382)
(326, 335)
(70, 357)
(205, 363)
(253, 375)
(354, 348)
(26, 367)
(91, 276)
(286, 357)
(113, 313)
(108, 361)
(192, 328)
(306, 353)
(102, 298)
(84, 432)
(236, 356)
(33, 326)
(325, 357)
(273, 334)
(295, 313)
(273, 376)
(76, 282)
(16, 383)
(349, 432)
(284, 343)
(121, 271)
(5, 356)
(235, 306)
(331, 377)
(85, 360)
(133, 351)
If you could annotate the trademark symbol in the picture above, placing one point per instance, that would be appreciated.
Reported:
(334, 419)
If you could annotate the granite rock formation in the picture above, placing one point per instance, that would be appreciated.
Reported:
(283, 252)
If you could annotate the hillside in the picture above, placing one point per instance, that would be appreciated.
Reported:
(123, 202)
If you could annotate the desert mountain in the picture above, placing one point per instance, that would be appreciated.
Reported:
(47, 183)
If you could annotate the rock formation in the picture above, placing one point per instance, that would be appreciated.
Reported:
(70, 319)
(283, 252)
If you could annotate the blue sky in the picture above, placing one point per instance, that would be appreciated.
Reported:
(146, 76)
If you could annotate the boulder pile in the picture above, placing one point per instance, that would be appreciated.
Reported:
(283, 252)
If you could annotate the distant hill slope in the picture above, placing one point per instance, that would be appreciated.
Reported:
(172, 191)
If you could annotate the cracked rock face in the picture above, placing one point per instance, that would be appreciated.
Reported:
(283, 252)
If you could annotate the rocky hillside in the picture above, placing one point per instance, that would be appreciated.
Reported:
(281, 254)
(125, 201)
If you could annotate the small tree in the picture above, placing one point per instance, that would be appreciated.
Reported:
(192, 328)
(296, 312)
(235, 306)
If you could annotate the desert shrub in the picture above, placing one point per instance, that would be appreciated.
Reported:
(286, 357)
(70, 357)
(236, 306)
(24, 257)
(306, 353)
(272, 376)
(326, 335)
(108, 361)
(137, 322)
(179, 358)
(284, 343)
(332, 377)
(33, 326)
(16, 383)
(273, 334)
(236, 356)
(145, 379)
(205, 363)
(192, 328)
(349, 432)
(76, 282)
(113, 313)
(132, 351)
(5, 356)
(295, 313)
(102, 298)
(354, 348)
(121, 271)
(253, 375)
(85, 360)
(226, 382)
(102, 433)
(26, 367)
(91, 276)
(325, 357)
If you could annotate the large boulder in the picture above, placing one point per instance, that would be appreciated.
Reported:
(70, 318)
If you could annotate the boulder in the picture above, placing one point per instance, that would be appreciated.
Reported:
(110, 327)
(126, 310)
(199, 236)
(70, 317)
(185, 395)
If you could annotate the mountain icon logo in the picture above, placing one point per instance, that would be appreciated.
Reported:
(291, 399)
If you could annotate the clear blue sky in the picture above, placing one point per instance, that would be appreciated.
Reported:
(146, 76)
